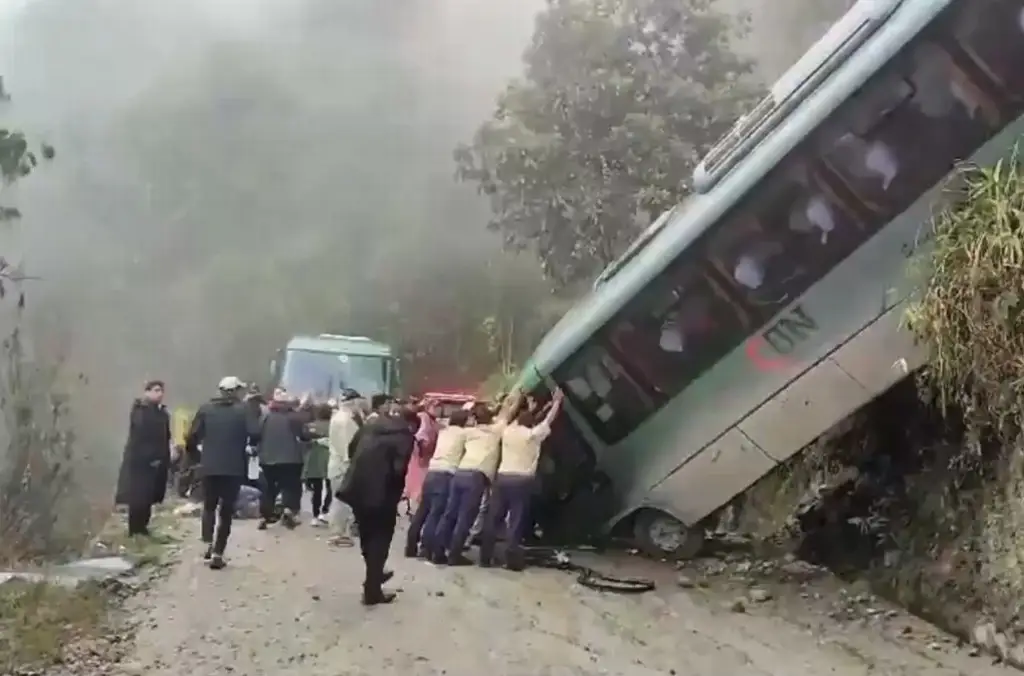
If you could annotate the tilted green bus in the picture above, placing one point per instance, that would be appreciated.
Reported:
(748, 321)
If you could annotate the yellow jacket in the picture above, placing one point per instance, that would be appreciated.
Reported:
(181, 418)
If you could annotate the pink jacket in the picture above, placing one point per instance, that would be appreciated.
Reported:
(426, 442)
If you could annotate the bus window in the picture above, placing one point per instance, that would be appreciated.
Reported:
(754, 260)
(992, 33)
(787, 234)
(675, 329)
(600, 389)
(906, 129)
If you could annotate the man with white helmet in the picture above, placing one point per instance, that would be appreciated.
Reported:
(223, 427)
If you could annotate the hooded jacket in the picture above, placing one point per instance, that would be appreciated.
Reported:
(376, 475)
(223, 426)
(283, 435)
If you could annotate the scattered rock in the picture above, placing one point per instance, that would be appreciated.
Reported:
(758, 595)
(1016, 656)
(801, 570)
(103, 568)
(1003, 645)
(188, 509)
(738, 605)
(984, 636)
(686, 582)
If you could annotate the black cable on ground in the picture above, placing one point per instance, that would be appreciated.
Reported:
(546, 557)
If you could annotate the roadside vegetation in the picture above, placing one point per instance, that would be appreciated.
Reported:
(970, 317)
(39, 619)
(45, 517)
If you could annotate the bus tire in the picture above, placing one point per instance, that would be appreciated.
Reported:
(660, 535)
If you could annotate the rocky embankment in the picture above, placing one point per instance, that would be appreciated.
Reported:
(890, 500)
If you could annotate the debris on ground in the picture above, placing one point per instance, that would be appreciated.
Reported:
(188, 509)
(289, 602)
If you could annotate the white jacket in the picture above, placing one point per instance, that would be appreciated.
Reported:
(343, 428)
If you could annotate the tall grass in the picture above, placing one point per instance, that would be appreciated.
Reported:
(36, 452)
(970, 314)
(970, 317)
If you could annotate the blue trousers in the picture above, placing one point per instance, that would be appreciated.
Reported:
(433, 500)
(467, 489)
(510, 500)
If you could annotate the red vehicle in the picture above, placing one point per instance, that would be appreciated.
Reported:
(448, 402)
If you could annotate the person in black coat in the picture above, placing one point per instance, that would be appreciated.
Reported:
(142, 480)
(373, 487)
(224, 427)
(281, 452)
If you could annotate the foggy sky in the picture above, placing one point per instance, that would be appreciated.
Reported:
(207, 146)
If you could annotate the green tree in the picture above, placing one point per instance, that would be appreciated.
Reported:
(17, 159)
(618, 101)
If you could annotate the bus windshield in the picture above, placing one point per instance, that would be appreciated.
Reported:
(325, 374)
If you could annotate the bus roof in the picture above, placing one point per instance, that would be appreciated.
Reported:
(336, 344)
(702, 210)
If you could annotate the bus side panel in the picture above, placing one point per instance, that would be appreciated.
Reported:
(852, 376)
(702, 412)
(725, 468)
(873, 356)
(799, 414)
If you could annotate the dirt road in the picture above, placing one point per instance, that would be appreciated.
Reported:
(287, 604)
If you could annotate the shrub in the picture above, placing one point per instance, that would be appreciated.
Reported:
(969, 313)
(969, 317)
(35, 439)
(35, 460)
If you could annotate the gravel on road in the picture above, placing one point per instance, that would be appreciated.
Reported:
(289, 604)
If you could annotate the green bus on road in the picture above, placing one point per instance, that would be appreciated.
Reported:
(323, 365)
(751, 319)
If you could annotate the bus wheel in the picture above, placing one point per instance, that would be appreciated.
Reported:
(662, 536)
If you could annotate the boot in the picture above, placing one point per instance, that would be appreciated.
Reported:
(289, 520)
(373, 595)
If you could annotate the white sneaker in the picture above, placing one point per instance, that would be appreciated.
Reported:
(318, 522)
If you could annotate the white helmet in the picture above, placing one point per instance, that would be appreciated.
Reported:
(230, 384)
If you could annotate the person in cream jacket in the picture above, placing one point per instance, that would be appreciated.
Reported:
(345, 422)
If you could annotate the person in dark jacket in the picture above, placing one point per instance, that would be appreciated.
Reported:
(373, 488)
(223, 426)
(283, 436)
(142, 480)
